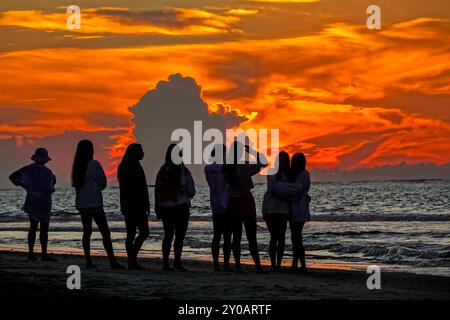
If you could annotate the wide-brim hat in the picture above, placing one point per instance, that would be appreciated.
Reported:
(41, 155)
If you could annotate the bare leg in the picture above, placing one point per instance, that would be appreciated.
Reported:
(272, 242)
(250, 230)
(281, 240)
(236, 243)
(86, 220)
(43, 237)
(169, 231)
(301, 248)
(215, 245)
(181, 227)
(129, 241)
(32, 238)
(143, 234)
(102, 223)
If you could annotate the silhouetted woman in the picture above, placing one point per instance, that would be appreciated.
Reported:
(241, 204)
(134, 201)
(89, 180)
(218, 196)
(275, 209)
(174, 188)
(299, 208)
(39, 183)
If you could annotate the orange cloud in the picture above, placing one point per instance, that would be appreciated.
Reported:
(172, 22)
(242, 12)
(285, 1)
(345, 96)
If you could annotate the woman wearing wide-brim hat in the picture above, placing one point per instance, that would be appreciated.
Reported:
(39, 182)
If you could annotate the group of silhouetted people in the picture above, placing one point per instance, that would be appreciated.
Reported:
(232, 203)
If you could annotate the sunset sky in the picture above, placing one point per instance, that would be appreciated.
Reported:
(346, 96)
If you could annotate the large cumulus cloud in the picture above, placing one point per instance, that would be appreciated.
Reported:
(173, 104)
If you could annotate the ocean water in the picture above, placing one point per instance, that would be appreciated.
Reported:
(398, 225)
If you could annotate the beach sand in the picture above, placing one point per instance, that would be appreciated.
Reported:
(47, 280)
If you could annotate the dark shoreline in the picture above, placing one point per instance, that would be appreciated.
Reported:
(20, 278)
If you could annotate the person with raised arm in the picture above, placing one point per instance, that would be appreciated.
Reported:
(241, 204)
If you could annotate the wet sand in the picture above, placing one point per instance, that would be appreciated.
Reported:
(47, 280)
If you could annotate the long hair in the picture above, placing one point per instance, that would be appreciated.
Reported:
(171, 172)
(217, 150)
(298, 165)
(132, 156)
(283, 164)
(230, 168)
(84, 154)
